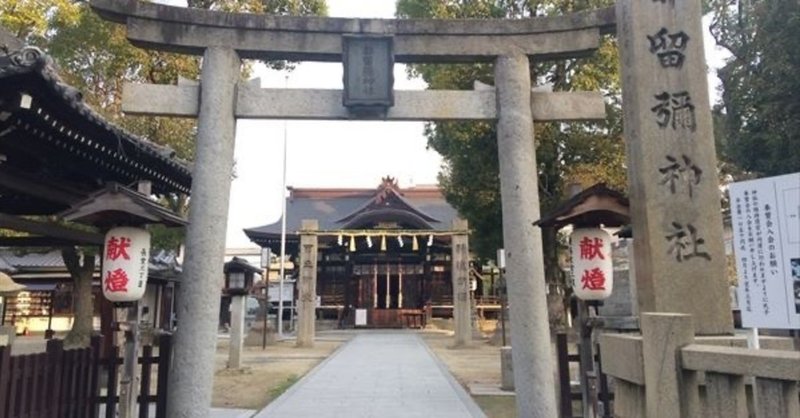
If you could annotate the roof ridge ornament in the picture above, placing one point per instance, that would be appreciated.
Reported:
(388, 183)
(25, 57)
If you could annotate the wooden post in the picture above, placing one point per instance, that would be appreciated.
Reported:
(144, 387)
(375, 285)
(388, 287)
(5, 378)
(565, 389)
(399, 285)
(586, 363)
(164, 361)
(128, 390)
(94, 380)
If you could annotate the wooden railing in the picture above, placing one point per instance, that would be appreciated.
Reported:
(66, 383)
(55, 384)
(668, 372)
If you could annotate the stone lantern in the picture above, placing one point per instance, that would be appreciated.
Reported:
(239, 277)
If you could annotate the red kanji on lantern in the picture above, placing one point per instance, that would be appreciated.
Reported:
(118, 247)
(117, 281)
(591, 248)
(594, 279)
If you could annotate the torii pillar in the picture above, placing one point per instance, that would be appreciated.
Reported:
(216, 101)
(190, 387)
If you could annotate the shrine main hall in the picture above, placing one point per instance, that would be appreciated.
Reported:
(386, 251)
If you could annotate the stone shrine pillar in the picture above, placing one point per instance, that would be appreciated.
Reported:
(462, 306)
(199, 295)
(307, 285)
(675, 200)
(237, 332)
(530, 328)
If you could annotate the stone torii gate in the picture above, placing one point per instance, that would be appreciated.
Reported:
(223, 39)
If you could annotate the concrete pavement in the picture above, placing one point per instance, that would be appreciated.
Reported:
(379, 374)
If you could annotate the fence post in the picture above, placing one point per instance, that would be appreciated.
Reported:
(55, 354)
(111, 382)
(565, 390)
(94, 376)
(164, 364)
(5, 378)
(146, 362)
(663, 334)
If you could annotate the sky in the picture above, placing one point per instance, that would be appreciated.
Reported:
(335, 153)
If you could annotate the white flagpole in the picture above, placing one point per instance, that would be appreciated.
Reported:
(283, 227)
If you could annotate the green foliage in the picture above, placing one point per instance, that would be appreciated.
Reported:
(273, 7)
(278, 390)
(30, 20)
(583, 153)
(757, 122)
(95, 57)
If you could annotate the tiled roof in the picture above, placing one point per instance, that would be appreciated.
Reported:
(58, 114)
(332, 206)
(162, 263)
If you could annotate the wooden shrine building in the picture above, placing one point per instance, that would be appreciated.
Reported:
(61, 163)
(386, 251)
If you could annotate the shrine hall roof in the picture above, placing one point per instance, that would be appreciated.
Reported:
(420, 207)
(50, 139)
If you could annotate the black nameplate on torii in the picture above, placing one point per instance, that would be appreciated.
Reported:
(368, 74)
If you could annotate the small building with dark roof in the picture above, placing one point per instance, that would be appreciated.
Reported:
(57, 157)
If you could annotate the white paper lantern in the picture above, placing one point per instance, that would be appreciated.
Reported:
(125, 259)
(592, 267)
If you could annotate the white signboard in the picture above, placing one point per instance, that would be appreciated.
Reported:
(766, 241)
(288, 292)
(361, 317)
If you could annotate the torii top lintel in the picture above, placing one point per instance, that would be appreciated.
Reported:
(185, 30)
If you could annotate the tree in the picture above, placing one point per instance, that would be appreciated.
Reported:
(80, 265)
(583, 153)
(95, 57)
(757, 119)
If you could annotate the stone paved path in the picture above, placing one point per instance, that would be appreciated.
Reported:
(381, 374)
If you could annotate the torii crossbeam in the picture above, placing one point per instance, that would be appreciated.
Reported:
(224, 38)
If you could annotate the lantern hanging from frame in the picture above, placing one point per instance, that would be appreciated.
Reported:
(126, 255)
(592, 267)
